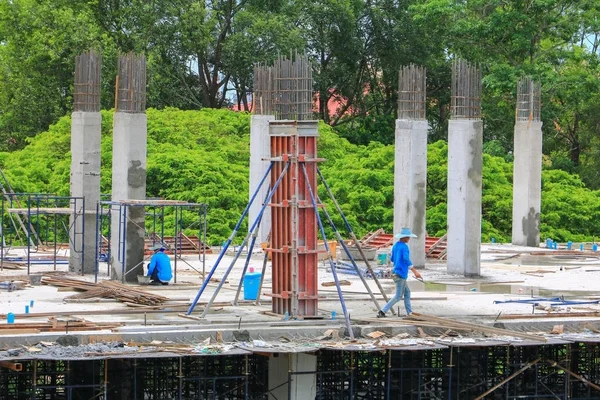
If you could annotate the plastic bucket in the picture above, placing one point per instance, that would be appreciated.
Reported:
(382, 258)
(251, 284)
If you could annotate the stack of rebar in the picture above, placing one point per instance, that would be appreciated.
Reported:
(131, 84)
(411, 92)
(528, 100)
(86, 95)
(465, 102)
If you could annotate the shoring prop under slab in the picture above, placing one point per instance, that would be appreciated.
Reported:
(353, 237)
(252, 232)
(516, 373)
(573, 374)
(358, 272)
(333, 271)
(228, 242)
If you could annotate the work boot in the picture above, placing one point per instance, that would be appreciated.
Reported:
(380, 314)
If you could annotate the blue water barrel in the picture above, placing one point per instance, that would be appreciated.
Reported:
(251, 284)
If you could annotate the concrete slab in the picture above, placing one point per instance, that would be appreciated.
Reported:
(440, 294)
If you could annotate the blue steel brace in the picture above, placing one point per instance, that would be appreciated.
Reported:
(358, 272)
(335, 277)
(237, 255)
(353, 236)
(250, 248)
(229, 240)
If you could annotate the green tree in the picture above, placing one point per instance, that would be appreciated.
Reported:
(39, 42)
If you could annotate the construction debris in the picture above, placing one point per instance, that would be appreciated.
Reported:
(557, 329)
(375, 334)
(428, 320)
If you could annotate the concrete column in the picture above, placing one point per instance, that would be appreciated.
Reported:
(299, 387)
(527, 183)
(259, 149)
(410, 183)
(85, 182)
(128, 183)
(465, 141)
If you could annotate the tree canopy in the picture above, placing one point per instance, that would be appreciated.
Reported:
(201, 53)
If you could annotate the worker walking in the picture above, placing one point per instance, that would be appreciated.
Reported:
(159, 269)
(401, 260)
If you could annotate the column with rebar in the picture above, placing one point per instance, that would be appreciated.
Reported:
(86, 123)
(294, 227)
(263, 113)
(527, 177)
(465, 142)
(410, 164)
(129, 168)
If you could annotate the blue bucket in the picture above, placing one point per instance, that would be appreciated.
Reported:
(251, 284)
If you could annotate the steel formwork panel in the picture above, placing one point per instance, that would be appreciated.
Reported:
(293, 219)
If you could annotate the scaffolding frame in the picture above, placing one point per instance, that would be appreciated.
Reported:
(411, 372)
(107, 208)
(34, 206)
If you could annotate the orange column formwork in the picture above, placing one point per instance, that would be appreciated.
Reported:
(293, 219)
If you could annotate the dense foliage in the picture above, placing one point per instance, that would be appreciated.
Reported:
(201, 54)
(202, 156)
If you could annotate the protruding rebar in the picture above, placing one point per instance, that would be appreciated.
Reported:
(411, 92)
(466, 91)
(131, 84)
(284, 90)
(264, 93)
(86, 94)
(528, 100)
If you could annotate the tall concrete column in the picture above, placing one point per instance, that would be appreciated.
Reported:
(465, 164)
(260, 152)
(129, 170)
(527, 176)
(299, 387)
(410, 164)
(85, 182)
(86, 124)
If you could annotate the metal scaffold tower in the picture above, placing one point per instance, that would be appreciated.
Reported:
(180, 216)
(48, 222)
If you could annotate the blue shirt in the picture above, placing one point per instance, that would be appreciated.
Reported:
(401, 259)
(162, 263)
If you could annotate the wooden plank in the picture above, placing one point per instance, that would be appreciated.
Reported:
(342, 283)
(191, 317)
(15, 366)
(550, 315)
(27, 331)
